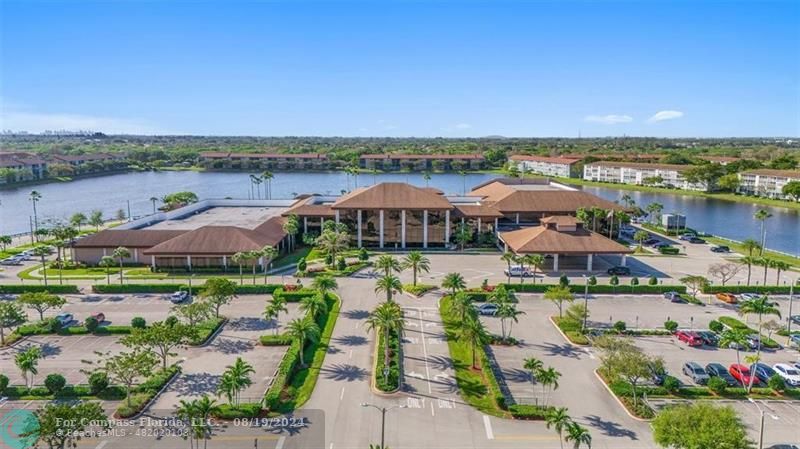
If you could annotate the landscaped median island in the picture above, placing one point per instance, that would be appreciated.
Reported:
(387, 322)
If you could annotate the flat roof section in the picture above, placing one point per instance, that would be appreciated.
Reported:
(242, 217)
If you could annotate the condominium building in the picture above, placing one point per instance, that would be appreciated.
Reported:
(765, 182)
(663, 175)
(392, 162)
(255, 161)
(549, 166)
(20, 166)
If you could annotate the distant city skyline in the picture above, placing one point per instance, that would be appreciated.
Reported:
(399, 69)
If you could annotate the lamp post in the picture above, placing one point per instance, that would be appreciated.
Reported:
(761, 423)
(383, 411)
(791, 300)
(190, 286)
(585, 301)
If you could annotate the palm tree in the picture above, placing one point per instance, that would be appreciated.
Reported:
(559, 420)
(736, 338)
(767, 263)
(654, 210)
(60, 245)
(257, 181)
(121, 253)
(473, 332)
(749, 261)
(291, 227)
(387, 317)
(534, 366)
(240, 258)
(388, 264)
(5, 240)
(578, 435)
(388, 284)
(204, 407)
(273, 310)
(462, 305)
(640, 237)
(596, 212)
(78, 219)
(455, 282)
(267, 177)
(187, 412)
(535, 261)
(303, 330)
(154, 200)
(418, 263)
(28, 362)
(332, 242)
(779, 266)
(759, 307)
(314, 305)
(236, 378)
(549, 380)
(750, 245)
(42, 251)
(427, 177)
(268, 253)
(253, 257)
(628, 201)
(508, 257)
(34, 197)
(762, 216)
(107, 262)
(324, 284)
(507, 311)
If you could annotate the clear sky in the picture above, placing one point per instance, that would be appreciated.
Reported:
(646, 68)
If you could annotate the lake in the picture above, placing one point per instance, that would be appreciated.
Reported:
(111, 193)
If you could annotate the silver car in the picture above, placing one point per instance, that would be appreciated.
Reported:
(694, 371)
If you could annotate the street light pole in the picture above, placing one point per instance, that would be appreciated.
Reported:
(791, 300)
(383, 411)
(585, 301)
(761, 424)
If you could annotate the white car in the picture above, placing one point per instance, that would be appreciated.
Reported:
(487, 309)
(64, 319)
(748, 296)
(179, 297)
(789, 373)
(517, 271)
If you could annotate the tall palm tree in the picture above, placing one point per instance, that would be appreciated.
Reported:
(559, 420)
(34, 198)
(767, 263)
(454, 282)
(42, 251)
(578, 435)
(762, 216)
(418, 263)
(388, 264)
(303, 330)
(239, 259)
(462, 305)
(291, 227)
(427, 177)
(154, 200)
(749, 261)
(324, 284)
(736, 338)
(121, 253)
(314, 305)
(508, 257)
(759, 307)
(60, 245)
(253, 257)
(268, 253)
(387, 317)
(388, 284)
(267, 177)
(535, 261)
(332, 242)
(779, 265)
(273, 310)
(238, 376)
(549, 379)
(107, 262)
(473, 332)
(534, 366)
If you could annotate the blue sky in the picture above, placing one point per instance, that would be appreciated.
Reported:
(653, 68)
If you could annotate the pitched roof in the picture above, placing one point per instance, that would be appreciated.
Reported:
(306, 207)
(129, 238)
(508, 199)
(547, 240)
(392, 195)
(483, 210)
(225, 155)
(561, 220)
(223, 239)
(775, 173)
(473, 156)
(552, 160)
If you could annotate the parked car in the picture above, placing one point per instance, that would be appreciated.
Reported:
(662, 245)
(742, 374)
(64, 318)
(753, 341)
(720, 249)
(762, 371)
(11, 261)
(657, 374)
(619, 271)
(687, 236)
(729, 298)
(795, 340)
(709, 338)
(517, 271)
(487, 309)
(99, 316)
(690, 338)
(696, 240)
(673, 297)
(795, 319)
(651, 242)
(748, 296)
(718, 370)
(694, 371)
(179, 297)
(790, 374)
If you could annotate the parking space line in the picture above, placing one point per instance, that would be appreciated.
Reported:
(425, 354)
(487, 425)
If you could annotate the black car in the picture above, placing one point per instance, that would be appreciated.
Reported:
(762, 372)
(696, 240)
(673, 297)
(709, 338)
(619, 271)
(720, 249)
(718, 370)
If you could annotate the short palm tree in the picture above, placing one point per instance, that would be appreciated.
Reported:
(273, 310)
(535, 261)
(578, 435)
(236, 378)
(28, 363)
(268, 253)
(472, 331)
(461, 304)
(332, 242)
(387, 317)
(239, 259)
(549, 379)
(388, 284)
(303, 330)
(507, 312)
(324, 284)
(417, 262)
(107, 262)
(534, 366)
(121, 253)
(314, 305)
(508, 257)
(778, 266)
(736, 338)
(204, 408)
(558, 419)
(388, 264)
(454, 282)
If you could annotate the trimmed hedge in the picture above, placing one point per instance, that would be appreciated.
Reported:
(275, 340)
(293, 296)
(55, 289)
(145, 391)
(532, 412)
(244, 410)
(47, 327)
(778, 289)
(601, 289)
(114, 392)
(170, 288)
(417, 290)
(395, 351)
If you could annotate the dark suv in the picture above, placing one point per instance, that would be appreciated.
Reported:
(619, 271)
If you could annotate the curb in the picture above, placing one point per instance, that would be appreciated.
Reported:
(153, 399)
(618, 400)
(564, 336)
(213, 335)
(372, 384)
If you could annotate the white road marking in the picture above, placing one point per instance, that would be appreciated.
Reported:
(101, 445)
(425, 354)
(432, 412)
(331, 446)
(415, 375)
(488, 426)
(351, 354)
(589, 353)
(280, 443)
(341, 395)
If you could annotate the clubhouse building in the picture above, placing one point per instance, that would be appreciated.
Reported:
(386, 215)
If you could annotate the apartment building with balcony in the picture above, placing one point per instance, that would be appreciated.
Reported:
(767, 183)
(560, 167)
(421, 162)
(661, 175)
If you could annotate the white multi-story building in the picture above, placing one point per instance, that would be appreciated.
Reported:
(549, 166)
(766, 182)
(663, 175)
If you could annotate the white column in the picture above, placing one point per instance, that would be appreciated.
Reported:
(136, 255)
(305, 225)
(496, 225)
(337, 217)
(589, 263)
(189, 261)
(380, 229)
(517, 218)
(153, 261)
(403, 228)
(105, 252)
(555, 262)
(225, 262)
(425, 228)
(446, 227)
(479, 226)
(321, 224)
(358, 221)
(624, 260)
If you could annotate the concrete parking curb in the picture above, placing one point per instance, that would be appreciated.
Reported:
(618, 400)
(563, 335)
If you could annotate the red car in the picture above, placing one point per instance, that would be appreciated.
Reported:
(690, 338)
(742, 374)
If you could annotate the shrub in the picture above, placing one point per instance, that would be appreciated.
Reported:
(563, 280)
(301, 264)
(418, 289)
(777, 383)
(55, 383)
(671, 325)
(275, 340)
(138, 323)
(620, 326)
(98, 382)
(598, 289)
(171, 320)
(341, 264)
(717, 385)
(328, 259)
(652, 281)
(55, 289)
(3, 382)
(671, 384)
(715, 326)
(592, 280)
(669, 250)
(91, 324)
(296, 295)
(363, 255)
(244, 410)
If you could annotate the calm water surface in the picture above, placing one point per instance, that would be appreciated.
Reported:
(110, 193)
